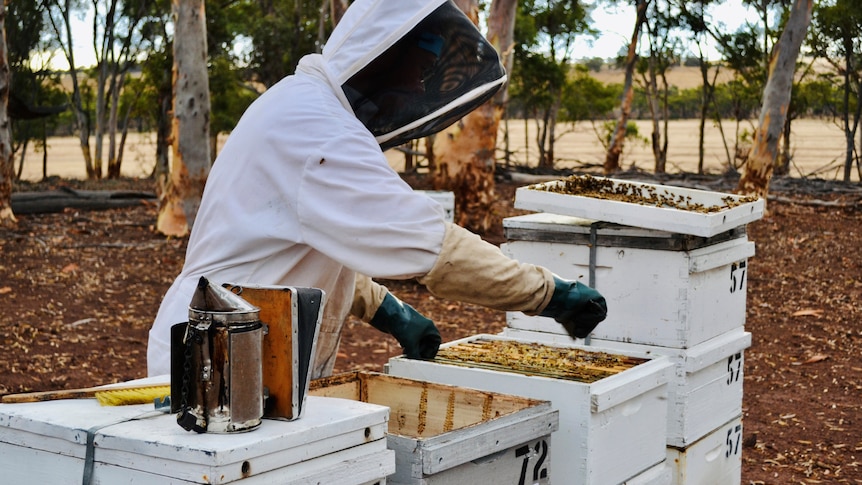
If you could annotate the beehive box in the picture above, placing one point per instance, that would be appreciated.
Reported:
(336, 441)
(704, 392)
(613, 407)
(445, 434)
(650, 206)
(715, 459)
(446, 199)
(663, 289)
(660, 474)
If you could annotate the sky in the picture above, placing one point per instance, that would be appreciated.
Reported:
(614, 23)
(617, 24)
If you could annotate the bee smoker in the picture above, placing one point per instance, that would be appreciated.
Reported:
(216, 363)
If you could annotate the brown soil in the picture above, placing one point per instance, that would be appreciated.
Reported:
(79, 290)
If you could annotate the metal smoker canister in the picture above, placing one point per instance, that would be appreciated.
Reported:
(220, 382)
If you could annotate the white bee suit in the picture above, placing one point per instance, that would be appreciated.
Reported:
(302, 195)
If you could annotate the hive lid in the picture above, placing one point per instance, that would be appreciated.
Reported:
(137, 437)
(555, 228)
(650, 206)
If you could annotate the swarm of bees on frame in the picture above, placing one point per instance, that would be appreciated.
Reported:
(600, 188)
(536, 359)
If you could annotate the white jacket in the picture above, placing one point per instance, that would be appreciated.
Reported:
(302, 195)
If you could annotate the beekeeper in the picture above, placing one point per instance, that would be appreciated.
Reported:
(302, 195)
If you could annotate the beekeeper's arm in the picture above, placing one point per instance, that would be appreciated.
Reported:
(472, 270)
(373, 303)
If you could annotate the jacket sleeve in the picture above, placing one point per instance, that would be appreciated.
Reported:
(367, 297)
(472, 270)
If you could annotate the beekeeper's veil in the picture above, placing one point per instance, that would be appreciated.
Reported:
(410, 68)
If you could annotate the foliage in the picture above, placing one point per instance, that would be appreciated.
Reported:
(585, 98)
(280, 33)
(836, 37)
(252, 44)
(32, 84)
(231, 99)
(633, 134)
(540, 74)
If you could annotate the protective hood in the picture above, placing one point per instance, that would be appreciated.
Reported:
(410, 68)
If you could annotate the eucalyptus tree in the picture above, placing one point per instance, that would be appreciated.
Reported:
(693, 17)
(59, 14)
(836, 37)
(119, 45)
(280, 32)
(190, 164)
(587, 99)
(664, 49)
(465, 152)
(776, 98)
(7, 217)
(546, 31)
(620, 130)
(35, 96)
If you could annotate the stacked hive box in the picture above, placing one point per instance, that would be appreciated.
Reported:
(71, 441)
(675, 282)
(612, 406)
(445, 434)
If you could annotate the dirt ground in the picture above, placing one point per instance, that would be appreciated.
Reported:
(79, 290)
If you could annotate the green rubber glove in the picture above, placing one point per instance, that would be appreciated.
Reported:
(576, 306)
(418, 336)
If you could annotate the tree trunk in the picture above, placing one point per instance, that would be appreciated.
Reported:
(191, 158)
(106, 65)
(336, 10)
(615, 148)
(707, 90)
(776, 99)
(464, 158)
(7, 165)
(81, 116)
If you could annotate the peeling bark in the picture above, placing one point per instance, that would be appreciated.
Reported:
(191, 158)
(465, 153)
(464, 161)
(776, 100)
(615, 148)
(7, 164)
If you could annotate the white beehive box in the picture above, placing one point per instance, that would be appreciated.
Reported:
(610, 431)
(446, 199)
(336, 441)
(660, 474)
(663, 213)
(445, 434)
(716, 459)
(705, 390)
(662, 289)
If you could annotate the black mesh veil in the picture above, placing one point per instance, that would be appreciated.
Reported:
(437, 73)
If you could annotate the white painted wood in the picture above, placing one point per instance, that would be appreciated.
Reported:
(360, 465)
(461, 430)
(650, 217)
(139, 440)
(706, 388)
(660, 474)
(667, 298)
(528, 462)
(609, 431)
(716, 459)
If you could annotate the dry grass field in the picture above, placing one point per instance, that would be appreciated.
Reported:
(817, 147)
